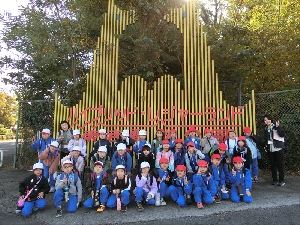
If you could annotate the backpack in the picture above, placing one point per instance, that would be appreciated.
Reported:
(92, 177)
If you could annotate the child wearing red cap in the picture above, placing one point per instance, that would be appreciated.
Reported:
(120, 187)
(173, 136)
(156, 143)
(192, 138)
(164, 179)
(225, 161)
(208, 144)
(243, 151)
(165, 153)
(205, 187)
(241, 182)
(146, 156)
(96, 185)
(181, 188)
(192, 157)
(179, 153)
(218, 175)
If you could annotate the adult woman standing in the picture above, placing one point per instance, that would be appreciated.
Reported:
(274, 140)
(64, 135)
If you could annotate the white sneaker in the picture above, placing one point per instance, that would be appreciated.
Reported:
(52, 189)
(18, 211)
(162, 202)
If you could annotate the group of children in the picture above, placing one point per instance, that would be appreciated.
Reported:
(202, 170)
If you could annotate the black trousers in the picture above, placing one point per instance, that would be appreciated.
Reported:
(276, 159)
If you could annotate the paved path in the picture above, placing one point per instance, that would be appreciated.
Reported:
(8, 148)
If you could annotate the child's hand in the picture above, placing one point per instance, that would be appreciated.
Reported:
(22, 196)
(248, 193)
(233, 172)
(92, 194)
(277, 123)
(191, 171)
(135, 144)
(185, 181)
(64, 180)
(168, 178)
(227, 161)
(60, 137)
(33, 139)
(113, 173)
(40, 195)
(158, 179)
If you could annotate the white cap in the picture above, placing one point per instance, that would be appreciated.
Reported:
(147, 145)
(121, 146)
(125, 133)
(142, 132)
(144, 165)
(76, 148)
(102, 131)
(54, 143)
(75, 132)
(120, 167)
(67, 162)
(102, 149)
(46, 131)
(38, 166)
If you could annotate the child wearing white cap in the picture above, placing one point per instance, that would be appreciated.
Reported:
(77, 141)
(50, 157)
(137, 147)
(76, 159)
(43, 143)
(102, 142)
(68, 187)
(101, 156)
(121, 157)
(127, 140)
(34, 188)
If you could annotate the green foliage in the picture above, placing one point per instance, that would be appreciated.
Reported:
(8, 110)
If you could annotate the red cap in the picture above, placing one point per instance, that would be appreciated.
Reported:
(241, 138)
(98, 163)
(190, 144)
(181, 167)
(247, 130)
(192, 129)
(222, 146)
(160, 129)
(163, 160)
(215, 156)
(173, 131)
(164, 142)
(237, 159)
(202, 163)
(207, 130)
(178, 141)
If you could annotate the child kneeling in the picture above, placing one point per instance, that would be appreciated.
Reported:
(181, 188)
(241, 181)
(96, 185)
(68, 187)
(146, 187)
(35, 186)
(120, 187)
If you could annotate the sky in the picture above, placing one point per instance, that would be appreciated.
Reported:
(10, 6)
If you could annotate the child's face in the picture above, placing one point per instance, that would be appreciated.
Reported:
(221, 152)
(241, 143)
(248, 134)
(98, 169)
(75, 153)
(208, 135)
(146, 152)
(238, 165)
(173, 135)
(178, 145)
(164, 166)
(123, 137)
(67, 168)
(76, 136)
(231, 135)
(120, 173)
(202, 169)
(191, 149)
(64, 126)
(38, 172)
(145, 170)
(180, 173)
(52, 148)
(102, 136)
(159, 134)
(192, 134)
(45, 136)
(121, 152)
(215, 162)
(166, 147)
(142, 137)
(102, 154)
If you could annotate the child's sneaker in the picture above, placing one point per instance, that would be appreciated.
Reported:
(162, 202)
(188, 200)
(58, 213)
(217, 200)
(139, 207)
(52, 189)
(255, 179)
(101, 208)
(35, 209)
(123, 208)
(281, 184)
(199, 205)
(18, 211)
(274, 183)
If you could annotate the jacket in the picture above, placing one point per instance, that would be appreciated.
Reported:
(81, 144)
(205, 182)
(172, 142)
(150, 159)
(159, 173)
(129, 142)
(105, 161)
(66, 137)
(251, 144)
(231, 143)
(41, 144)
(208, 143)
(269, 134)
(74, 188)
(138, 148)
(29, 182)
(191, 165)
(163, 154)
(196, 141)
(245, 153)
(242, 177)
(145, 183)
(77, 165)
(122, 184)
(217, 174)
(50, 159)
(91, 183)
(102, 142)
(179, 157)
(124, 160)
(181, 187)
(156, 146)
